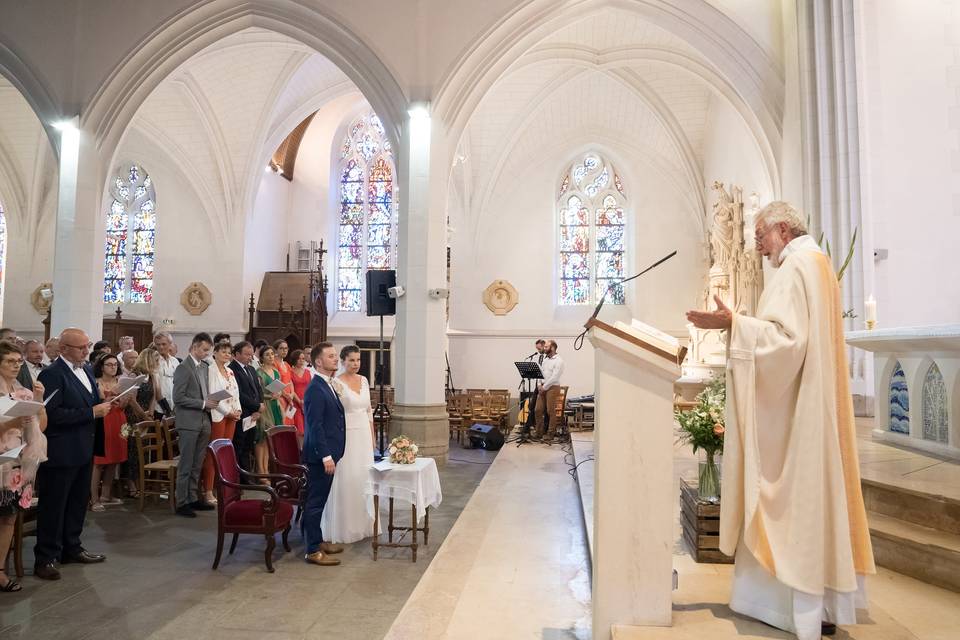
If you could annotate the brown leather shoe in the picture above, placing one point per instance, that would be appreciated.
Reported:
(331, 548)
(46, 571)
(318, 557)
(83, 557)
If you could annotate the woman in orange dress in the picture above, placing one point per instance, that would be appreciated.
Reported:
(289, 399)
(106, 370)
(301, 376)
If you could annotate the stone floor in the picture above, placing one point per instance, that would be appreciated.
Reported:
(157, 582)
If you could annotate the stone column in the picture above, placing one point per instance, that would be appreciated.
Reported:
(420, 408)
(78, 247)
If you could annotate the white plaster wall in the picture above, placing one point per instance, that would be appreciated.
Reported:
(265, 234)
(908, 54)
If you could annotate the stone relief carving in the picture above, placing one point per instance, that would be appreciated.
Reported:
(196, 298)
(500, 297)
(42, 297)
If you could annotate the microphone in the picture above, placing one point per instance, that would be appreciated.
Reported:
(532, 355)
(579, 341)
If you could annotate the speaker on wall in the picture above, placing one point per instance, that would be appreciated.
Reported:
(378, 302)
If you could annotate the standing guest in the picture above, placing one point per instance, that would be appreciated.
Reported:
(127, 359)
(105, 371)
(323, 445)
(8, 335)
(193, 407)
(141, 408)
(174, 350)
(272, 415)
(300, 376)
(73, 406)
(221, 337)
(100, 347)
(163, 341)
(16, 478)
(281, 350)
(792, 513)
(224, 417)
(549, 391)
(257, 346)
(345, 518)
(32, 364)
(125, 343)
(51, 350)
(251, 401)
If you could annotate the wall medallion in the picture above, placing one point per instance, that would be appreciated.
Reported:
(42, 297)
(196, 298)
(500, 297)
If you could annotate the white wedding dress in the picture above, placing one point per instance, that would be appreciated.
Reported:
(345, 518)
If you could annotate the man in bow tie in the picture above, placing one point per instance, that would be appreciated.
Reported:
(73, 406)
(32, 364)
(324, 439)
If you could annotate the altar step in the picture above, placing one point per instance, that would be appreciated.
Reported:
(914, 533)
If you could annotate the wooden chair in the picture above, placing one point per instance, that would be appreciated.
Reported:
(479, 406)
(158, 473)
(285, 460)
(499, 408)
(237, 515)
(170, 438)
(462, 416)
(25, 524)
(560, 409)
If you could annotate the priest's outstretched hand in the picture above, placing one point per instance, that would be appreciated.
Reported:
(722, 318)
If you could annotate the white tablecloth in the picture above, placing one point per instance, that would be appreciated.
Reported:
(417, 483)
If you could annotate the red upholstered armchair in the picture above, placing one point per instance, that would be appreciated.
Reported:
(237, 515)
(285, 459)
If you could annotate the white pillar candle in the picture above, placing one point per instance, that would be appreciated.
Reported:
(870, 309)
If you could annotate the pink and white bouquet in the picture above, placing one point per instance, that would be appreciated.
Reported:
(403, 450)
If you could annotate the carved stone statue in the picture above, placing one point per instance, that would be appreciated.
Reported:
(723, 234)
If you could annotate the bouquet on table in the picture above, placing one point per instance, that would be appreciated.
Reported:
(403, 450)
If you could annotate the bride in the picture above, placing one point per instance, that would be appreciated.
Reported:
(345, 518)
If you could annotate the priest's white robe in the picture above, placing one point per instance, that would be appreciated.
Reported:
(792, 509)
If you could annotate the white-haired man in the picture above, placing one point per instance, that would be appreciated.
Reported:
(163, 341)
(792, 510)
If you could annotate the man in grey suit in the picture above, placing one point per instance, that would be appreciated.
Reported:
(192, 408)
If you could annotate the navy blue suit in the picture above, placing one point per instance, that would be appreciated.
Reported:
(324, 434)
(63, 481)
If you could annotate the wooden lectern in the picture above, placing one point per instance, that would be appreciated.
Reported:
(633, 490)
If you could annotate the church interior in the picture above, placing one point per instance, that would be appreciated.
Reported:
(240, 167)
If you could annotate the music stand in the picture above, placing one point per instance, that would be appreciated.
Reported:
(529, 371)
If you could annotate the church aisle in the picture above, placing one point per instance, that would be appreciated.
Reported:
(515, 565)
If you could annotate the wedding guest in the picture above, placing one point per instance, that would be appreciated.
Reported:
(345, 518)
(141, 408)
(125, 343)
(106, 373)
(224, 417)
(174, 350)
(32, 363)
(163, 341)
(190, 397)
(16, 478)
(51, 350)
(100, 347)
(300, 376)
(73, 405)
(257, 346)
(8, 335)
(281, 350)
(221, 337)
(272, 415)
(251, 402)
(127, 358)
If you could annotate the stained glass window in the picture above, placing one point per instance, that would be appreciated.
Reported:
(591, 232)
(367, 236)
(899, 401)
(131, 228)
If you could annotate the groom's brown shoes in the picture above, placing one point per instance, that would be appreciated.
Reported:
(320, 558)
(331, 548)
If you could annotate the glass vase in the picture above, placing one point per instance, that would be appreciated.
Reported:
(709, 478)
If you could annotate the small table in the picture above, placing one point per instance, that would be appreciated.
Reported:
(417, 484)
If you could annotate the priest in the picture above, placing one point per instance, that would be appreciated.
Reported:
(792, 511)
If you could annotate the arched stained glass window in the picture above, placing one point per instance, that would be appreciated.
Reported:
(367, 235)
(591, 201)
(131, 237)
(935, 406)
(899, 401)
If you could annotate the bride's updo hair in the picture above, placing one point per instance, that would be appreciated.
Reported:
(347, 350)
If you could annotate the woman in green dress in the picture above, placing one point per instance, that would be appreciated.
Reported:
(272, 414)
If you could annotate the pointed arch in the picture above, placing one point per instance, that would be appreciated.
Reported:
(899, 402)
(934, 406)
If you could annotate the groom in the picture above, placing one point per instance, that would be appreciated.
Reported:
(324, 436)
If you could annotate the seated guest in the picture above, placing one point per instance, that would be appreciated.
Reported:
(32, 363)
(126, 343)
(16, 478)
(300, 376)
(73, 405)
(224, 417)
(100, 347)
(251, 401)
(141, 408)
(192, 407)
(105, 370)
(51, 350)
(272, 414)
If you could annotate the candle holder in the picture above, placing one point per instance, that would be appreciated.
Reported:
(871, 324)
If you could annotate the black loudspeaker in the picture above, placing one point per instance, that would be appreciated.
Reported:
(483, 436)
(378, 302)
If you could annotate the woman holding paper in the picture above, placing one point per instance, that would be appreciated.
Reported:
(224, 418)
(23, 434)
(272, 415)
(141, 409)
(107, 372)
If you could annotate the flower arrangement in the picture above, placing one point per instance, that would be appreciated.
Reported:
(703, 427)
(127, 430)
(403, 450)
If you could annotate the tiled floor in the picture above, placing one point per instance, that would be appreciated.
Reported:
(157, 582)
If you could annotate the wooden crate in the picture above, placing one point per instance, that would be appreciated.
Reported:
(701, 526)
